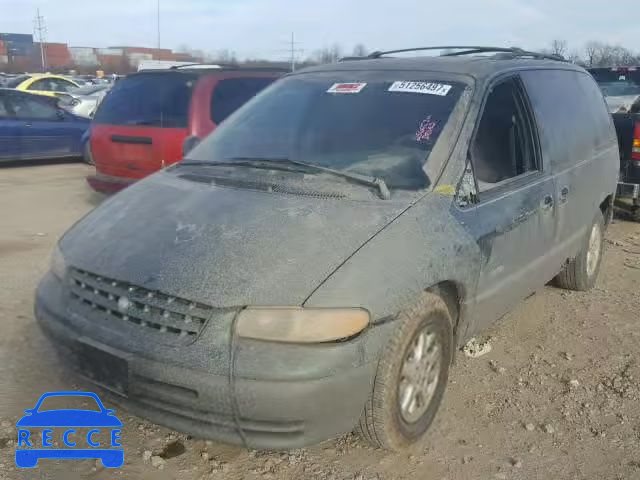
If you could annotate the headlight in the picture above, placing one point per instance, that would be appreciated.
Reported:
(301, 325)
(58, 265)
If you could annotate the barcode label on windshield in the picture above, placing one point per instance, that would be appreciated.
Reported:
(421, 87)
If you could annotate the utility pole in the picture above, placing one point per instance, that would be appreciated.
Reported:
(40, 30)
(293, 51)
(158, 25)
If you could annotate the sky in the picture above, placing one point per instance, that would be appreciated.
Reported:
(263, 28)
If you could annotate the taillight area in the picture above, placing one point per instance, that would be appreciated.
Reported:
(635, 147)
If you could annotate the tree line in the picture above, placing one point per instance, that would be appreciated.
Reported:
(595, 54)
(592, 54)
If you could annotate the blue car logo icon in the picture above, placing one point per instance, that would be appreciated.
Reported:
(29, 452)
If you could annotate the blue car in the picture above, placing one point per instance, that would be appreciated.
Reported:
(33, 127)
(32, 447)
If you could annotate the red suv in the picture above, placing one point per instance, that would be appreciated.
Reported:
(150, 118)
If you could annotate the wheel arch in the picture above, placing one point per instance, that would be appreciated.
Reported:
(606, 207)
(452, 293)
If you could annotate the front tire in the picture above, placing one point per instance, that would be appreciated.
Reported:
(411, 377)
(581, 272)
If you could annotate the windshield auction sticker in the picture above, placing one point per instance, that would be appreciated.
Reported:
(347, 87)
(421, 87)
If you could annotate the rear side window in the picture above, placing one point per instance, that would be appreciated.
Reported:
(571, 114)
(43, 85)
(616, 82)
(231, 93)
(60, 85)
(155, 100)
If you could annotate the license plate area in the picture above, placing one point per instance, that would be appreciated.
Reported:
(106, 369)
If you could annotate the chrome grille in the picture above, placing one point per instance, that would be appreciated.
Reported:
(175, 318)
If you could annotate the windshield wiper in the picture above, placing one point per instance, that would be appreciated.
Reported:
(265, 162)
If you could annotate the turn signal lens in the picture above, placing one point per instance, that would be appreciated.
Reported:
(301, 325)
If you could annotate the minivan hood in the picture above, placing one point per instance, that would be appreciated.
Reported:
(221, 246)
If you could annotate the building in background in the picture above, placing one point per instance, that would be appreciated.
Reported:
(4, 59)
(19, 53)
(84, 56)
(18, 49)
(56, 55)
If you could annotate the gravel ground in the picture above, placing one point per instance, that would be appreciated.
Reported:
(557, 397)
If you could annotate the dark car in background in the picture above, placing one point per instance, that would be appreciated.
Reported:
(621, 88)
(150, 118)
(34, 127)
(311, 266)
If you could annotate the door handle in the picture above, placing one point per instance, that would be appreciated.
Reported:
(547, 202)
(28, 124)
(564, 194)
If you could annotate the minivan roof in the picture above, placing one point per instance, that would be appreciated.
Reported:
(478, 67)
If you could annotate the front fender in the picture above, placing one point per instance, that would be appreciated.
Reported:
(423, 247)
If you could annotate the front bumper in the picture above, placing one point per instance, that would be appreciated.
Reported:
(108, 184)
(271, 396)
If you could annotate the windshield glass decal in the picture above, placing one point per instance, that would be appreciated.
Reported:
(347, 87)
(425, 130)
(430, 88)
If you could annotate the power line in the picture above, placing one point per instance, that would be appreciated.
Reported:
(40, 32)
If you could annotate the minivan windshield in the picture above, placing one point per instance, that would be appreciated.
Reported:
(151, 99)
(365, 123)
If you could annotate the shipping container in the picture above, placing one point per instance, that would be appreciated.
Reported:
(84, 56)
(110, 51)
(17, 37)
(136, 58)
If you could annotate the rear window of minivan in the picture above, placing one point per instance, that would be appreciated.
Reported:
(617, 82)
(231, 93)
(149, 99)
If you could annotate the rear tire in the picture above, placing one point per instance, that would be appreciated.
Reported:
(409, 386)
(581, 273)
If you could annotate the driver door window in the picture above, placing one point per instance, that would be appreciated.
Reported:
(33, 108)
(504, 145)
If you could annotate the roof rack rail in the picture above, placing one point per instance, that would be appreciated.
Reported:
(348, 59)
(226, 66)
(514, 52)
(200, 65)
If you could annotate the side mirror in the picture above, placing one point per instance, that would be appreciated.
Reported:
(188, 144)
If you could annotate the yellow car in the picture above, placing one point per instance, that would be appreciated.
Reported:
(43, 84)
